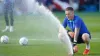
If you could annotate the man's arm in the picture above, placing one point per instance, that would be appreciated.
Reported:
(76, 35)
(77, 30)
(65, 23)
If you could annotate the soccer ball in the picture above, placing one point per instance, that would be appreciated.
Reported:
(23, 41)
(4, 39)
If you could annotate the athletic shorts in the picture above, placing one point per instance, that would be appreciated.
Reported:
(79, 40)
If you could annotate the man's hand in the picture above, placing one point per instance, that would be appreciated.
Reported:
(75, 48)
(76, 34)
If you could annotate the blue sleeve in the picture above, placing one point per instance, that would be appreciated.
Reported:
(78, 23)
(65, 23)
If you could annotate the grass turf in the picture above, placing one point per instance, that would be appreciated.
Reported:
(46, 48)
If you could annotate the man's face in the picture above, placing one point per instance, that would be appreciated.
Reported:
(70, 14)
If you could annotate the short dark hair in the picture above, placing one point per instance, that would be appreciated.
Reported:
(69, 8)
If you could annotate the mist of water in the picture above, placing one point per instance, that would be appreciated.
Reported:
(44, 22)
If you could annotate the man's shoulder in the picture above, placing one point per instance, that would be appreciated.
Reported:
(65, 18)
(77, 18)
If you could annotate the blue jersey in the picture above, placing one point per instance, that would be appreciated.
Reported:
(76, 22)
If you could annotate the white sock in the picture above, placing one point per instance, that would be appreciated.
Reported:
(88, 46)
(11, 29)
(7, 27)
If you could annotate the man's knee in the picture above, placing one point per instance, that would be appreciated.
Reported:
(86, 37)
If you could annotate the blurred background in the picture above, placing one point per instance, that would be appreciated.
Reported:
(79, 5)
(60, 5)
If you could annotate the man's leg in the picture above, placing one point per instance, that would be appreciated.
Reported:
(86, 39)
(11, 18)
(6, 20)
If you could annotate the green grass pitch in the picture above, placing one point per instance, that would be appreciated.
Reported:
(46, 48)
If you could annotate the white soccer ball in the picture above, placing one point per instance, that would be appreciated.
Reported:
(23, 41)
(4, 39)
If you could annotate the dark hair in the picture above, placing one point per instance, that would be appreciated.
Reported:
(69, 8)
